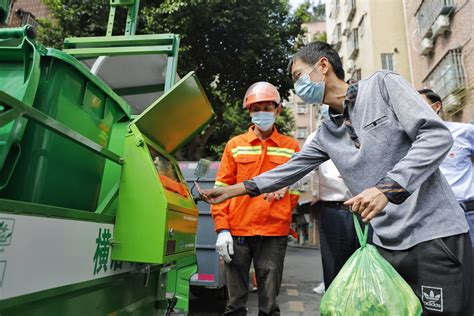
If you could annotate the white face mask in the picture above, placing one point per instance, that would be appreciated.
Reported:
(263, 120)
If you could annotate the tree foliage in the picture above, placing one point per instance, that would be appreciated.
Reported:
(230, 44)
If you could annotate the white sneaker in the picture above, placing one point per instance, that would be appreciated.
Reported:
(319, 289)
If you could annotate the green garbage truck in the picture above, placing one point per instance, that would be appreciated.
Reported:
(95, 215)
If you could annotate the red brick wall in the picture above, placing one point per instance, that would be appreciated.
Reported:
(35, 7)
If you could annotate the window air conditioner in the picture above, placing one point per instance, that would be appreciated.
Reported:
(452, 100)
(440, 25)
(426, 46)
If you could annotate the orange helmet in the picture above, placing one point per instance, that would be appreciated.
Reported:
(261, 91)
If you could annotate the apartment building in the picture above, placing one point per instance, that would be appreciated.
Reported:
(441, 50)
(369, 35)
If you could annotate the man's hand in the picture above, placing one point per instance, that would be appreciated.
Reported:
(225, 245)
(275, 196)
(369, 203)
(220, 194)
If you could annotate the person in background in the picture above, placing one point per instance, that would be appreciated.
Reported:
(457, 166)
(255, 228)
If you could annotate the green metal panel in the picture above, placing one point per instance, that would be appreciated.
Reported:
(19, 76)
(17, 207)
(112, 172)
(178, 280)
(141, 228)
(185, 105)
(113, 51)
(4, 6)
(155, 225)
(125, 294)
(118, 41)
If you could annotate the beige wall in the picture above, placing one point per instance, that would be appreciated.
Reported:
(459, 36)
(389, 34)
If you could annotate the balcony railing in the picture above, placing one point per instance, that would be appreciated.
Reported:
(350, 8)
(448, 76)
(353, 44)
(429, 11)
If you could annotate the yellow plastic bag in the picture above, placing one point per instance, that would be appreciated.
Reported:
(368, 285)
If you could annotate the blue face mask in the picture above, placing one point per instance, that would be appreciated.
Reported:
(309, 91)
(263, 120)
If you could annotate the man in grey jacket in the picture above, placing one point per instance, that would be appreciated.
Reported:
(387, 145)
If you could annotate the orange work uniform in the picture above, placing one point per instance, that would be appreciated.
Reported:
(246, 156)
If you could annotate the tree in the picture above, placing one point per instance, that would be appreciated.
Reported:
(230, 44)
(319, 12)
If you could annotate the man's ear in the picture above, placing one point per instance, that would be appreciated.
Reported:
(437, 107)
(279, 109)
(324, 64)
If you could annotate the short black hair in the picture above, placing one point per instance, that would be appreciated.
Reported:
(431, 95)
(312, 53)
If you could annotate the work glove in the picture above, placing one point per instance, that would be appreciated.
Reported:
(225, 245)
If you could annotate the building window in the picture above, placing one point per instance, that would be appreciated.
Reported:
(301, 132)
(350, 8)
(357, 75)
(361, 27)
(302, 108)
(334, 9)
(429, 11)
(353, 44)
(387, 62)
(448, 76)
(27, 18)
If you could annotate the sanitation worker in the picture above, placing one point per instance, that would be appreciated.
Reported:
(255, 228)
(388, 146)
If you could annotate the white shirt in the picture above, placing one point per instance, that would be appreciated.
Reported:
(457, 166)
(331, 185)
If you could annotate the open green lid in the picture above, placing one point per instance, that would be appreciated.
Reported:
(177, 116)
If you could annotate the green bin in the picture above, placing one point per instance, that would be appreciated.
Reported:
(4, 5)
(46, 168)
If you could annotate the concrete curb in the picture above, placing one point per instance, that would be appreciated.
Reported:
(293, 245)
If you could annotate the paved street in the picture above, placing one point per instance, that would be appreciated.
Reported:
(302, 272)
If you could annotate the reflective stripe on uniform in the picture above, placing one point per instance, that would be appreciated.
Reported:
(278, 151)
(220, 184)
(246, 150)
(295, 192)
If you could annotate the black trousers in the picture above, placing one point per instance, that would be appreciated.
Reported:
(268, 254)
(337, 236)
(440, 272)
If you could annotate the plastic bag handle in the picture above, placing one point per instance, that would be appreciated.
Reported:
(362, 236)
